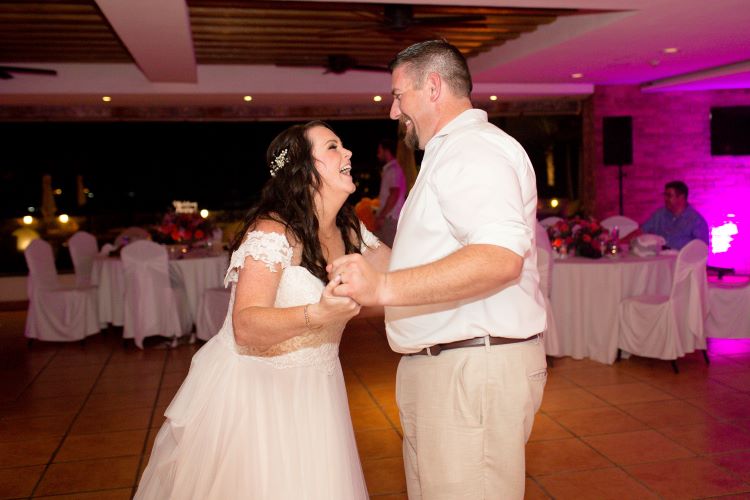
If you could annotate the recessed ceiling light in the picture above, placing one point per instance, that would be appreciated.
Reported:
(248, 98)
(377, 98)
(577, 75)
(671, 50)
(493, 98)
(106, 98)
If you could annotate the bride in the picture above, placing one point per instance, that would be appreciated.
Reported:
(263, 412)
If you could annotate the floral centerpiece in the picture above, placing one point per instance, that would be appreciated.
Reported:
(578, 236)
(186, 228)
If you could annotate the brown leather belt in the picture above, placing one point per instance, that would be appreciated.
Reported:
(475, 342)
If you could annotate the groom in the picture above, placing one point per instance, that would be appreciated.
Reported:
(462, 295)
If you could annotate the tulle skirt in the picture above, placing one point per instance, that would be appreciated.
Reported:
(240, 428)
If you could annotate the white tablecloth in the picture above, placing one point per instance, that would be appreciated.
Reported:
(586, 293)
(194, 275)
(728, 302)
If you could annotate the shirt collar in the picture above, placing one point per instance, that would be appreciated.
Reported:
(467, 117)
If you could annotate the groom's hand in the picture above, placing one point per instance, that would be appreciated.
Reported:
(358, 280)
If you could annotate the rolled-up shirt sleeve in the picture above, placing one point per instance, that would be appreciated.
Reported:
(480, 196)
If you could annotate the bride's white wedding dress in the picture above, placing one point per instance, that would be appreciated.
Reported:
(261, 425)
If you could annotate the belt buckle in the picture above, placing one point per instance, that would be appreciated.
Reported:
(433, 350)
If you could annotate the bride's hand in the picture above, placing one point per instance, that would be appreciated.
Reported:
(331, 308)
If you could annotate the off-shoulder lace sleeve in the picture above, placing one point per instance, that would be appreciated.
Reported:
(369, 240)
(269, 248)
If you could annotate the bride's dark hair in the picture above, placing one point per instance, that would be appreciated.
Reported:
(288, 198)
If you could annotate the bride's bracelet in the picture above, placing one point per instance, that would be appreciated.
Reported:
(307, 318)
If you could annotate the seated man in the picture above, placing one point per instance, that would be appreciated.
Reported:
(677, 222)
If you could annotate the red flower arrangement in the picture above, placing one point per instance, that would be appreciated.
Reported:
(578, 236)
(184, 228)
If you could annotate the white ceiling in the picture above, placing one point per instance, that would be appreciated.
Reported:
(624, 46)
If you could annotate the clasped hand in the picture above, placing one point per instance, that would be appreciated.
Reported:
(332, 307)
(357, 279)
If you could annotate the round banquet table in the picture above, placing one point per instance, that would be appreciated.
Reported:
(585, 295)
(193, 274)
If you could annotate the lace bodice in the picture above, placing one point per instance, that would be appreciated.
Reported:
(296, 287)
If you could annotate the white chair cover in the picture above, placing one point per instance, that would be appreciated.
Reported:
(56, 313)
(549, 221)
(130, 235)
(83, 249)
(152, 306)
(728, 301)
(106, 248)
(544, 263)
(212, 311)
(669, 327)
(625, 225)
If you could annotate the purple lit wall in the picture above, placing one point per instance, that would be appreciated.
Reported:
(671, 140)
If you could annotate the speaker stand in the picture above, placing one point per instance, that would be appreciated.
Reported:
(620, 175)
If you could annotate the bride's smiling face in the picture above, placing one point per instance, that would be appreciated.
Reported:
(332, 161)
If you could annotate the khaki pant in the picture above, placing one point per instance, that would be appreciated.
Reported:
(467, 414)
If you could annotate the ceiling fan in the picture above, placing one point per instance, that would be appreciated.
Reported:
(338, 64)
(341, 63)
(6, 72)
(397, 19)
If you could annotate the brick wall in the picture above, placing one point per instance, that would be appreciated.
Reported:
(671, 140)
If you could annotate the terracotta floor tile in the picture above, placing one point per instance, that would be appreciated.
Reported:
(133, 369)
(728, 406)
(120, 401)
(600, 484)
(709, 437)
(94, 421)
(691, 387)
(557, 382)
(739, 380)
(667, 413)
(629, 393)
(358, 396)
(687, 478)
(561, 462)
(172, 379)
(19, 481)
(51, 389)
(64, 407)
(376, 444)
(113, 384)
(34, 428)
(88, 475)
(369, 418)
(534, 491)
(546, 457)
(600, 375)
(110, 444)
(116, 494)
(546, 428)
(737, 463)
(569, 399)
(563, 364)
(385, 475)
(158, 416)
(592, 421)
(637, 447)
(166, 395)
(27, 452)
(383, 393)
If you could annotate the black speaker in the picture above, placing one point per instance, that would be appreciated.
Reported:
(617, 135)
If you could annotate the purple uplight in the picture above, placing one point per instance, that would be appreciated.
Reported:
(727, 213)
(721, 236)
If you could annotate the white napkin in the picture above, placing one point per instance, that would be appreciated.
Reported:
(646, 245)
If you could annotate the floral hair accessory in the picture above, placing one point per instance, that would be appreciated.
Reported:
(278, 162)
